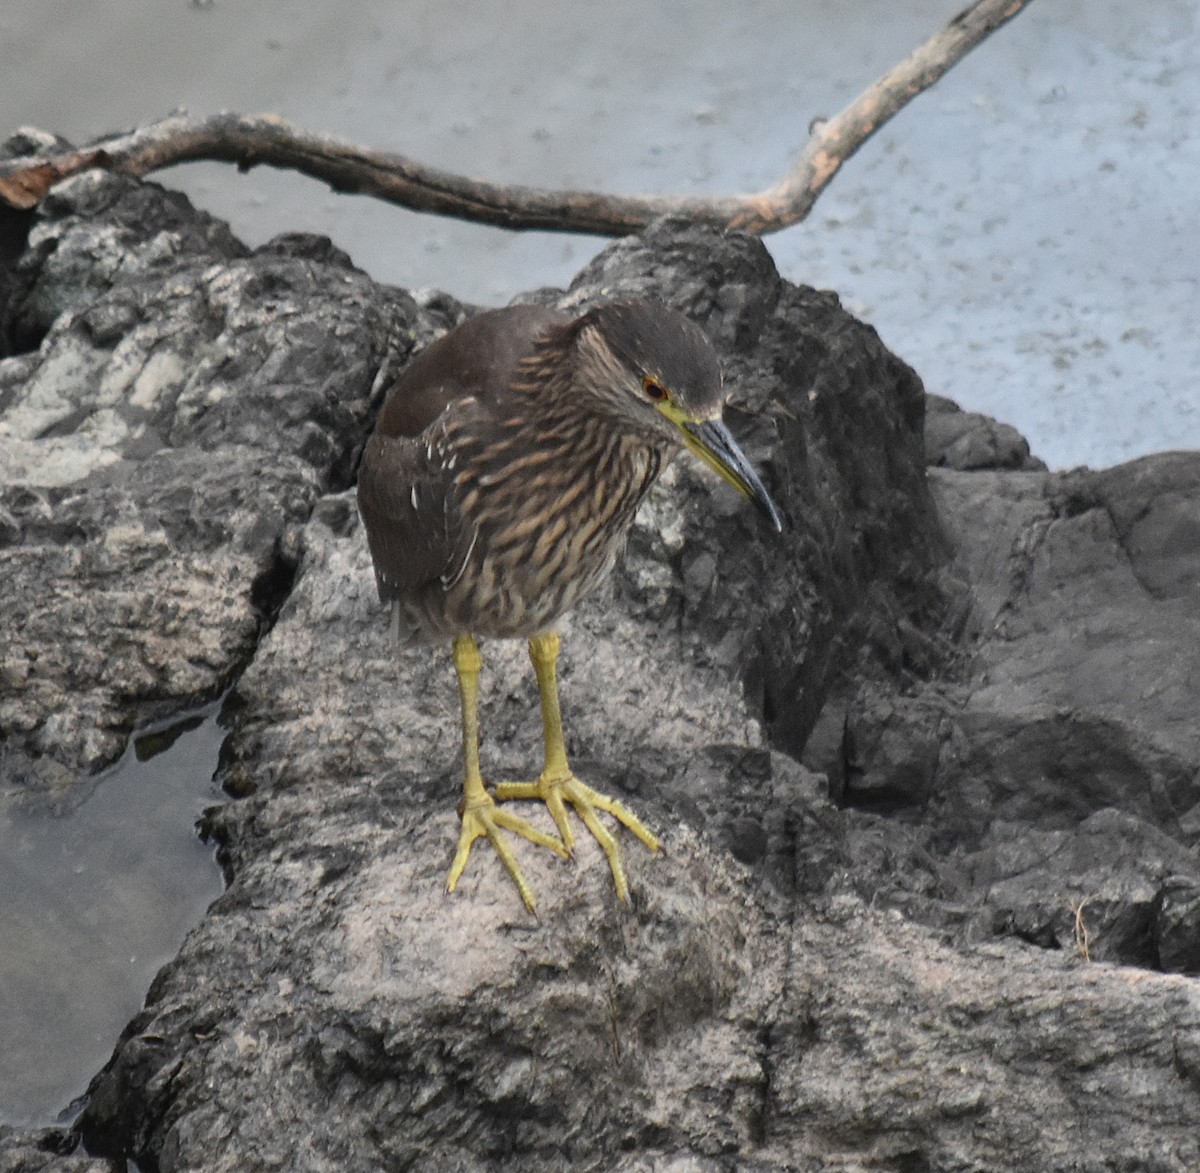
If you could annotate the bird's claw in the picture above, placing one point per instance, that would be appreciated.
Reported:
(482, 818)
(557, 789)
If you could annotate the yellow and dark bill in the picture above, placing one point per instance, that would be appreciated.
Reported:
(713, 443)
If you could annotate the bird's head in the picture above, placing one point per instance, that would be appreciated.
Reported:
(658, 372)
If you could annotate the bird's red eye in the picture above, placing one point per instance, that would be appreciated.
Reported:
(654, 390)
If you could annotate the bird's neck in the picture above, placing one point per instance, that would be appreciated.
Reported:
(582, 435)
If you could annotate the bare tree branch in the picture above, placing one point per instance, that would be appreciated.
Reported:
(251, 141)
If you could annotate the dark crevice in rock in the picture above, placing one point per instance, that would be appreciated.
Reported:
(270, 588)
(15, 336)
(158, 738)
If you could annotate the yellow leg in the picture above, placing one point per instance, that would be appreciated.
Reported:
(480, 815)
(557, 785)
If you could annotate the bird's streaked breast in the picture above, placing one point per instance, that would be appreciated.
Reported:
(527, 570)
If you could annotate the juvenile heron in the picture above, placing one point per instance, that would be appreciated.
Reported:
(503, 473)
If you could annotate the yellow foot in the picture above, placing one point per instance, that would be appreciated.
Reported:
(557, 789)
(483, 818)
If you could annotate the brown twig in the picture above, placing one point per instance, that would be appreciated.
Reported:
(250, 141)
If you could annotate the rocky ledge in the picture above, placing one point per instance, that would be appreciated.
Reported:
(927, 767)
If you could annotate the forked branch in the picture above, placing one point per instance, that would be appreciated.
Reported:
(250, 141)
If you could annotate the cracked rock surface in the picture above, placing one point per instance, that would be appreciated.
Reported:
(162, 448)
(912, 762)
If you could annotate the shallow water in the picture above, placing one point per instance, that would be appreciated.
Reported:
(92, 904)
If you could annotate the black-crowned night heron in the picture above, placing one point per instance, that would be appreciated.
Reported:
(496, 491)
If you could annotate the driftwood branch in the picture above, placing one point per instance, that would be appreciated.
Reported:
(251, 141)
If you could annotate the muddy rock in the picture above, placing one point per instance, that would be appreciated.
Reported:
(924, 766)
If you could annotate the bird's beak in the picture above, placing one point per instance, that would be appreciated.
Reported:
(712, 442)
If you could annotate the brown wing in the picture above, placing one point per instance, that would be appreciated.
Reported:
(406, 493)
(476, 360)
(413, 527)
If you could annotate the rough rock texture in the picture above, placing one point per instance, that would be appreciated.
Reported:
(47, 1150)
(873, 960)
(161, 449)
(968, 441)
(1053, 778)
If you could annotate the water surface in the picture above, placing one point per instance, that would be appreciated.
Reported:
(92, 904)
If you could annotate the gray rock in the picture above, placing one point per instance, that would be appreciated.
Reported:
(161, 450)
(1177, 924)
(716, 1017)
(47, 1150)
(969, 441)
(1112, 888)
(869, 960)
(1053, 776)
